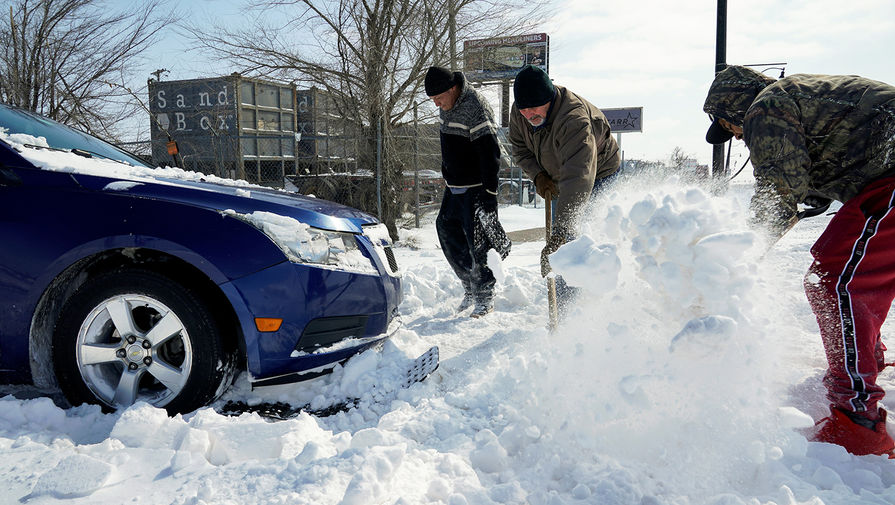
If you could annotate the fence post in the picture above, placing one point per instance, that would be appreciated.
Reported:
(379, 168)
(416, 167)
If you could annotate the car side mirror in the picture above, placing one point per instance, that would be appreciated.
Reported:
(9, 178)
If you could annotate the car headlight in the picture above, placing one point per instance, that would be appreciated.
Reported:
(302, 243)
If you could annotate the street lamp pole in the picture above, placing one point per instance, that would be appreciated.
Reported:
(719, 170)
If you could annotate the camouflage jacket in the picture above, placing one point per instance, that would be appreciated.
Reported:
(575, 147)
(808, 136)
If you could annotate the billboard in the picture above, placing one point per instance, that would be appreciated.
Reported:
(200, 114)
(627, 119)
(501, 58)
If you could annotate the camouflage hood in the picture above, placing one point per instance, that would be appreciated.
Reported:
(733, 91)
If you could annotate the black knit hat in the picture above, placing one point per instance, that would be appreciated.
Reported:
(532, 88)
(440, 79)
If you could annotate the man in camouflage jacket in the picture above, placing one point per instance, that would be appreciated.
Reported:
(815, 138)
(563, 143)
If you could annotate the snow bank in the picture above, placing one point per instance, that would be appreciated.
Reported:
(682, 378)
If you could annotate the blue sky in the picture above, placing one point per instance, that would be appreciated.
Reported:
(656, 54)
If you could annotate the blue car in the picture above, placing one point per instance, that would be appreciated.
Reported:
(120, 282)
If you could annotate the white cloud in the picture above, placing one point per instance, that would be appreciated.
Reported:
(661, 54)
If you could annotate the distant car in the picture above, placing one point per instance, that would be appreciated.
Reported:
(122, 283)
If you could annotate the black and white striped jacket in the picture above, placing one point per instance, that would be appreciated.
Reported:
(470, 154)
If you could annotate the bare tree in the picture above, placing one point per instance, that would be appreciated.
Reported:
(679, 159)
(368, 55)
(58, 56)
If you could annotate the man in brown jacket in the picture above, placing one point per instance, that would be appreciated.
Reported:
(563, 143)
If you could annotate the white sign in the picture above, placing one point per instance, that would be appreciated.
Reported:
(627, 119)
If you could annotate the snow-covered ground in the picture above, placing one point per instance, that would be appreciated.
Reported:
(683, 378)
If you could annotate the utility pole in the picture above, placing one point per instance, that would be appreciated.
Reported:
(719, 170)
(158, 73)
(452, 27)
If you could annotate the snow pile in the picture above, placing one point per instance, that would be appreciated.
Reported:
(584, 264)
(659, 364)
(670, 384)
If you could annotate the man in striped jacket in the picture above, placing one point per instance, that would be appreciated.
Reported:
(470, 160)
(820, 138)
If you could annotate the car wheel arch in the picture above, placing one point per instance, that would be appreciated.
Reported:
(65, 284)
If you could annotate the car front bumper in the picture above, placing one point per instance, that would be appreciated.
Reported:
(328, 316)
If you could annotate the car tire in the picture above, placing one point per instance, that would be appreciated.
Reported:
(136, 335)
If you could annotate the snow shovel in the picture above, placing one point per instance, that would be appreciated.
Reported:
(552, 309)
(819, 207)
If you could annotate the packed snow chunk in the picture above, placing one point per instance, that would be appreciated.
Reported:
(826, 478)
(489, 457)
(725, 248)
(511, 492)
(496, 266)
(643, 210)
(142, 425)
(39, 413)
(439, 489)
(516, 294)
(75, 476)
(584, 264)
(373, 437)
(791, 417)
(121, 185)
(515, 438)
(616, 486)
(581, 492)
(358, 366)
(371, 483)
(703, 335)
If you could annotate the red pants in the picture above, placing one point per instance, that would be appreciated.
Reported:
(850, 286)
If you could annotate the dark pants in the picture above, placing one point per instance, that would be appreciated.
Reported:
(466, 255)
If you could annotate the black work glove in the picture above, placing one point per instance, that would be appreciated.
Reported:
(553, 243)
(816, 204)
(486, 201)
(545, 186)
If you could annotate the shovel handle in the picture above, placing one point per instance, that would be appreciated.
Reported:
(552, 309)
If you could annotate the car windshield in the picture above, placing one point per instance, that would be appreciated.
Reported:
(59, 136)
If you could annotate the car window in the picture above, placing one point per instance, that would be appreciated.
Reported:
(59, 136)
